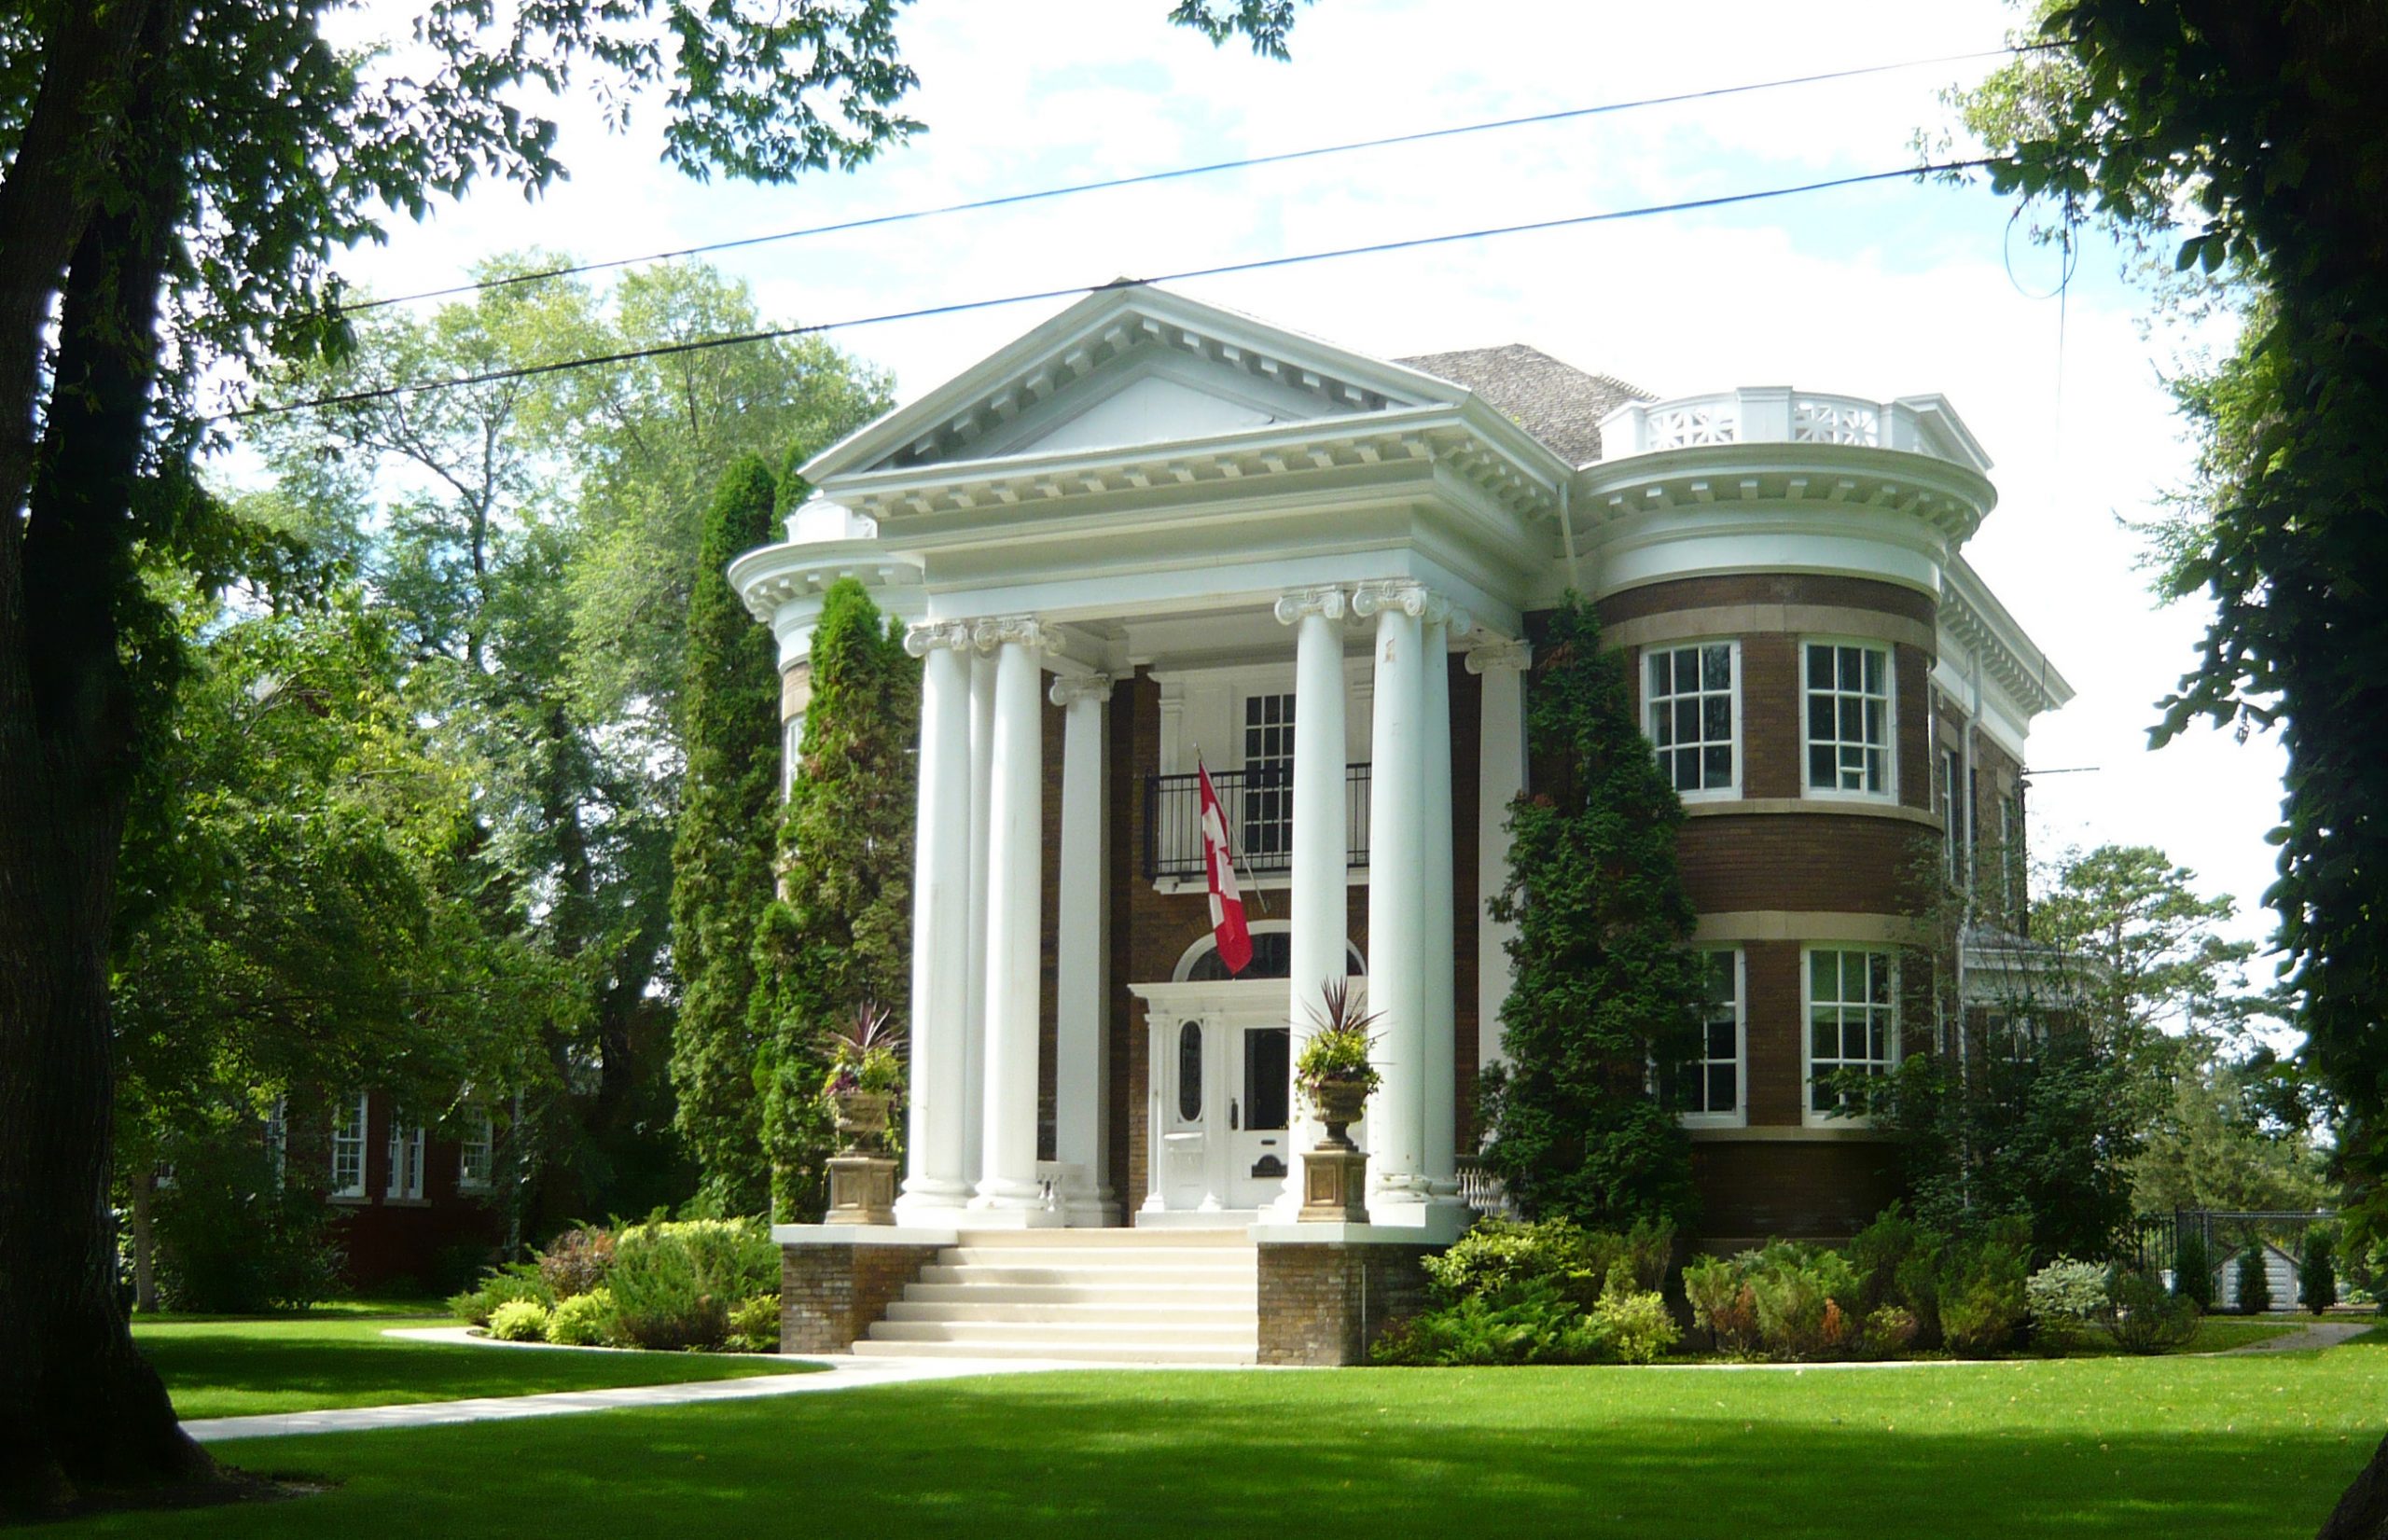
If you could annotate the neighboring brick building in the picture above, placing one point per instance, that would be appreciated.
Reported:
(1323, 573)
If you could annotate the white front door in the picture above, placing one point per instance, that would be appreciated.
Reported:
(1219, 1095)
(1259, 1106)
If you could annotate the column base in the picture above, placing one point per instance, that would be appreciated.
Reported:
(1439, 1220)
(862, 1189)
(982, 1219)
(945, 1207)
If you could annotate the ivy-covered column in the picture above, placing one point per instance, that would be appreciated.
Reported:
(1500, 665)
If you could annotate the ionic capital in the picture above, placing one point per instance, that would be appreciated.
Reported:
(1069, 689)
(1399, 594)
(1016, 630)
(923, 637)
(1301, 604)
(1489, 652)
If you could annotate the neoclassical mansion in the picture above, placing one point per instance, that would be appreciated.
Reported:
(1152, 532)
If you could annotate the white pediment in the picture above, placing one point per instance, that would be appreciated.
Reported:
(1126, 367)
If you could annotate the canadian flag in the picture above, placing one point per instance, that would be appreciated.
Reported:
(1227, 901)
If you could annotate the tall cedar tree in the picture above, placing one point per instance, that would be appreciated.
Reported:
(721, 860)
(841, 932)
(1606, 985)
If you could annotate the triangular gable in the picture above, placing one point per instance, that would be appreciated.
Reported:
(1129, 366)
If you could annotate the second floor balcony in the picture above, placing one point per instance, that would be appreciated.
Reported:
(1258, 807)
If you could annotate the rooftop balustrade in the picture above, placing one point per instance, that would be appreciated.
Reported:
(1775, 415)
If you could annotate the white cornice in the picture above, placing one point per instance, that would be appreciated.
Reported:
(770, 576)
(1974, 618)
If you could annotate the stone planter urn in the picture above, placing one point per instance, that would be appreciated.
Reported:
(861, 1120)
(1335, 1175)
(862, 1175)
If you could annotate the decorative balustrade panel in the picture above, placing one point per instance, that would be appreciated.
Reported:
(1835, 420)
(1258, 806)
(1679, 424)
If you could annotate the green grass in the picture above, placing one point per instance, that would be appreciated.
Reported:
(2247, 1448)
(215, 1368)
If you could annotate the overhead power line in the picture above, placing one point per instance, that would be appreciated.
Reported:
(1176, 174)
(772, 334)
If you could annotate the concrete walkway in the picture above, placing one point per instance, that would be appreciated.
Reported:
(2320, 1333)
(840, 1374)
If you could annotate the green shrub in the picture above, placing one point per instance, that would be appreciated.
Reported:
(1722, 1302)
(1878, 1252)
(2317, 1279)
(1647, 1250)
(513, 1281)
(674, 1282)
(231, 1235)
(1498, 1258)
(2254, 1279)
(1981, 1291)
(1888, 1331)
(520, 1321)
(577, 1261)
(1796, 1290)
(583, 1320)
(2193, 1268)
(1632, 1325)
(2063, 1300)
(755, 1324)
(2145, 1318)
(1540, 1325)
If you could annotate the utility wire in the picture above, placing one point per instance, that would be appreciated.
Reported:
(1146, 179)
(702, 344)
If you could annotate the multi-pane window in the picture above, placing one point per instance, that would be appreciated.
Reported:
(1267, 775)
(1852, 1021)
(348, 1146)
(277, 1135)
(1952, 817)
(1713, 1079)
(1848, 717)
(1688, 691)
(406, 1160)
(477, 1156)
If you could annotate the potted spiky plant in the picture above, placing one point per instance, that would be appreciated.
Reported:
(1337, 1076)
(866, 1075)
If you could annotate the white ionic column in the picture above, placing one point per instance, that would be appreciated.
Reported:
(1014, 827)
(1501, 774)
(1397, 898)
(1082, 1000)
(1441, 1087)
(974, 1039)
(934, 1176)
(1321, 852)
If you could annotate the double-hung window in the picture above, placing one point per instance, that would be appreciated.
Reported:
(348, 1146)
(477, 1154)
(1849, 718)
(406, 1160)
(1712, 1080)
(1952, 819)
(1268, 780)
(1689, 707)
(1852, 1022)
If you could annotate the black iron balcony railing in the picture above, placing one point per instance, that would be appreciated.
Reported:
(1258, 807)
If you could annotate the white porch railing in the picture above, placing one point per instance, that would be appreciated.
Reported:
(1780, 415)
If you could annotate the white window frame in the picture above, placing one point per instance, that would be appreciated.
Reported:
(1738, 1116)
(352, 1144)
(405, 1180)
(1955, 858)
(277, 1137)
(1808, 1115)
(1890, 792)
(1732, 789)
(480, 1138)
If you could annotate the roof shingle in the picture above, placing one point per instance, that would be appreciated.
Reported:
(1559, 404)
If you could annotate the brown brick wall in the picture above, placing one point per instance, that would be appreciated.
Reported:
(1787, 587)
(831, 1294)
(1824, 862)
(1805, 1190)
(1327, 1303)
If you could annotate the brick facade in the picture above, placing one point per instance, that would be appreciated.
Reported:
(830, 1294)
(1327, 1303)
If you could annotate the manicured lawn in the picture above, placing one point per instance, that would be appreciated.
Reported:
(2246, 1448)
(233, 1368)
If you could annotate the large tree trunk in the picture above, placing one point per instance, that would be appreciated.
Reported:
(2362, 1513)
(79, 1407)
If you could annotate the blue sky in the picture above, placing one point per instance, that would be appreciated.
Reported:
(1886, 290)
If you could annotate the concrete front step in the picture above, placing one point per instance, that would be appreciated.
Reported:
(1127, 1313)
(1085, 1353)
(1108, 1259)
(1109, 1239)
(1169, 1295)
(1148, 1334)
(941, 1273)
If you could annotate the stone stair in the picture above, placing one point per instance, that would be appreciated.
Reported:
(1105, 1296)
